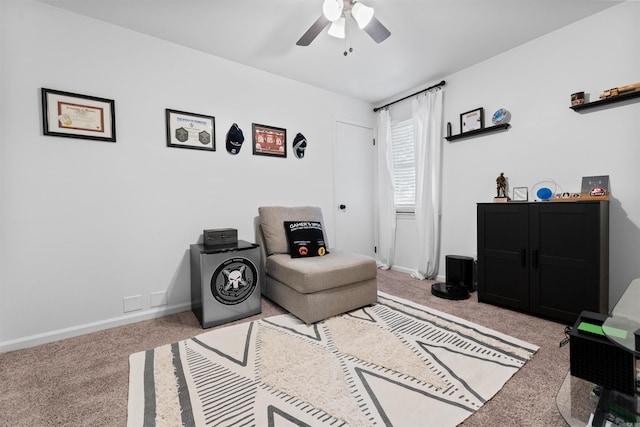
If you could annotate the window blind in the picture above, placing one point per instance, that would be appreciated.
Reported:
(404, 165)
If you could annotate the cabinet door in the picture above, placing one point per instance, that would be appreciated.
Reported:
(503, 239)
(565, 259)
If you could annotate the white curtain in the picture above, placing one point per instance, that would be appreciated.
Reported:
(427, 130)
(386, 205)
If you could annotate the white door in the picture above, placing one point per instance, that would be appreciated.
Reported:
(354, 203)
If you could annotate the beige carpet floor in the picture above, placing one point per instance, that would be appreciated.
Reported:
(83, 381)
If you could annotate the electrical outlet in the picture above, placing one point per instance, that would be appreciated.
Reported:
(158, 298)
(132, 303)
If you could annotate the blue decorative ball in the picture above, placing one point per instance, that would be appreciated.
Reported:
(544, 193)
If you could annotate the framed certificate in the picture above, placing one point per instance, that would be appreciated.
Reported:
(78, 116)
(269, 141)
(190, 130)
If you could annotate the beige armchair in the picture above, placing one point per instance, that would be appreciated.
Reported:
(311, 288)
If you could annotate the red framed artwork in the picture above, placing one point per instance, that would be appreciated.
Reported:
(269, 140)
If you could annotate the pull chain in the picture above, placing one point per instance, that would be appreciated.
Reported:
(347, 39)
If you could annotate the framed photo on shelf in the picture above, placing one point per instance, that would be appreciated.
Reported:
(73, 115)
(269, 140)
(472, 120)
(190, 130)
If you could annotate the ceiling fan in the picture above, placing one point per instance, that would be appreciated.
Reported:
(334, 12)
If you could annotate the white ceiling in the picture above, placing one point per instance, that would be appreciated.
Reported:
(429, 39)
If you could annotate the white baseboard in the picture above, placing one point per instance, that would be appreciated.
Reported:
(439, 278)
(402, 269)
(74, 331)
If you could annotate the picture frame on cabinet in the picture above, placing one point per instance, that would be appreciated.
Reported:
(591, 182)
(472, 120)
(520, 194)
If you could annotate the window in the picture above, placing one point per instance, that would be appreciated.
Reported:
(404, 166)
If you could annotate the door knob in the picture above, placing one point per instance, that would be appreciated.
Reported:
(342, 207)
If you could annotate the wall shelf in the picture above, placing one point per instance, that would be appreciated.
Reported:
(503, 126)
(612, 100)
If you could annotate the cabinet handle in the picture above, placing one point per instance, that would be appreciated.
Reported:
(535, 259)
(523, 258)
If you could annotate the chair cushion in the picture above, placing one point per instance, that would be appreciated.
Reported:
(309, 275)
(272, 220)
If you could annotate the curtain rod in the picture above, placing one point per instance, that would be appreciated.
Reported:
(442, 83)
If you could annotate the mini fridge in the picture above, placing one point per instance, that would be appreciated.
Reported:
(225, 282)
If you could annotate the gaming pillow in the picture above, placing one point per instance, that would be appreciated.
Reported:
(305, 238)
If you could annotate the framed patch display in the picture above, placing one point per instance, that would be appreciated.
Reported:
(190, 130)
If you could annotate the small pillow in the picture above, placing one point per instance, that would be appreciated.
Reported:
(305, 238)
(272, 219)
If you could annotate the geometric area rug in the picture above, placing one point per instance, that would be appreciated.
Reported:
(393, 363)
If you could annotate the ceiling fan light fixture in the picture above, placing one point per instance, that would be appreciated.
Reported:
(337, 28)
(332, 9)
(362, 14)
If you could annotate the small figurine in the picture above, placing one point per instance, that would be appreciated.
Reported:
(501, 184)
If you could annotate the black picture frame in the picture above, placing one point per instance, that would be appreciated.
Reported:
(269, 140)
(589, 182)
(72, 115)
(472, 120)
(190, 130)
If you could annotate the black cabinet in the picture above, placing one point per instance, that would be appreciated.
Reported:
(547, 258)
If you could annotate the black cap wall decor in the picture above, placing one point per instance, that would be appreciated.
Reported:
(235, 138)
(299, 145)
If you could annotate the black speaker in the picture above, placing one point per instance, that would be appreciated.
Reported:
(460, 271)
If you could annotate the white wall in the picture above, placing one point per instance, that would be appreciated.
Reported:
(548, 139)
(84, 223)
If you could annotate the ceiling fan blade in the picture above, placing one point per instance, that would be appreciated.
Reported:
(377, 31)
(313, 31)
